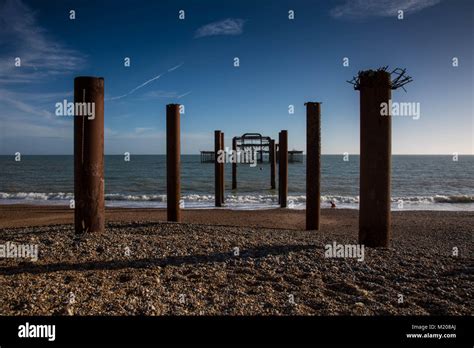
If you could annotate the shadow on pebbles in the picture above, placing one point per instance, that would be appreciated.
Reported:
(142, 268)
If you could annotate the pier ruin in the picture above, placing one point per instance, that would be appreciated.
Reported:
(375, 88)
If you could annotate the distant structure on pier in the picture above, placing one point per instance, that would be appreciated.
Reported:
(207, 156)
(258, 143)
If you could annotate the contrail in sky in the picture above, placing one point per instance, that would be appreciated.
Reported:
(175, 67)
(183, 95)
(145, 83)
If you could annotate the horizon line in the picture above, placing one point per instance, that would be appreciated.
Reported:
(198, 154)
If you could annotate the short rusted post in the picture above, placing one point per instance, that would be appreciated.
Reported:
(234, 163)
(173, 161)
(283, 168)
(89, 212)
(222, 170)
(375, 159)
(313, 165)
(217, 169)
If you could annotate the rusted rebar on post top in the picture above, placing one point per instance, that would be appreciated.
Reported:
(89, 207)
(313, 165)
(173, 161)
(375, 159)
(283, 167)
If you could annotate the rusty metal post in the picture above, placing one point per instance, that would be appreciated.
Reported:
(375, 160)
(222, 171)
(313, 165)
(89, 211)
(217, 169)
(283, 168)
(272, 158)
(173, 162)
(279, 167)
(234, 164)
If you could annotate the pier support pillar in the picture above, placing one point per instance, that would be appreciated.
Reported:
(234, 164)
(279, 167)
(89, 210)
(283, 167)
(222, 174)
(375, 160)
(173, 161)
(218, 173)
(313, 165)
(272, 158)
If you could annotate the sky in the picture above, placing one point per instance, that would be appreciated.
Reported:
(190, 61)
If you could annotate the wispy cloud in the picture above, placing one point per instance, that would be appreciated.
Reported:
(136, 133)
(28, 116)
(41, 56)
(229, 26)
(145, 83)
(358, 9)
(160, 94)
(164, 94)
(31, 104)
(24, 107)
(142, 130)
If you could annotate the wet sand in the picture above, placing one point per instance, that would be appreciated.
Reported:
(30, 215)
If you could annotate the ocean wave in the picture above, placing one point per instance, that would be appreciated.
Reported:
(454, 199)
(57, 196)
(231, 198)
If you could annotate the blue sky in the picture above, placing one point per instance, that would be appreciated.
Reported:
(282, 62)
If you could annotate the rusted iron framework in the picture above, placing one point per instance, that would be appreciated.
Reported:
(254, 142)
(398, 77)
(260, 144)
(207, 156)
(262, 147)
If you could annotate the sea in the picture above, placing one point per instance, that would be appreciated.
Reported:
(419, 182)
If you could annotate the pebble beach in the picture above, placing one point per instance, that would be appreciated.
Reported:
(221, 262)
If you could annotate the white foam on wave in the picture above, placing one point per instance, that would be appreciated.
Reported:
(244, 201)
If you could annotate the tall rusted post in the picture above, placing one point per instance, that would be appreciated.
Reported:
(173, 161)
(222, 171)
(279, 168)
(375, 159)
(217, 169)
(234, 163)
(283, 168)
(313, 165)
(272, 159)
(89, 212)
